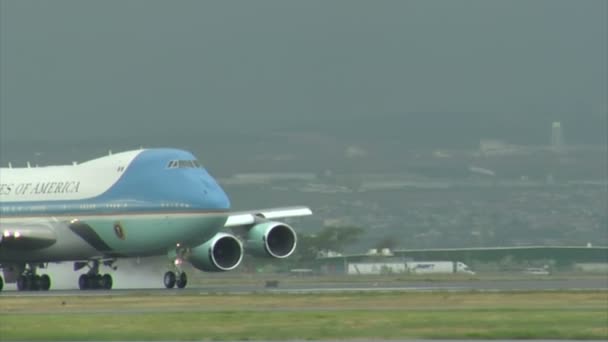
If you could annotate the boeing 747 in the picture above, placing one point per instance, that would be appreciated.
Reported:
(140, 203)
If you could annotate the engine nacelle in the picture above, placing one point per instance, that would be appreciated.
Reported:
(223, 252)
(274, 239)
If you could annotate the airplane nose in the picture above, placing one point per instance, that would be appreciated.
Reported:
(214, 195)
(220, 199)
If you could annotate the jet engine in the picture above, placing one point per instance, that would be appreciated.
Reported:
(223, 252)
(274, 239)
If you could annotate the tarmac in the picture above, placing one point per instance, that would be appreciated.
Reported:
(589, 284)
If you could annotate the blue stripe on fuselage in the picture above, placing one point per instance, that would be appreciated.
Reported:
(146, 185)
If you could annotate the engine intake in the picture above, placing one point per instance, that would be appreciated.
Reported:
(223, 252)
(274, 239)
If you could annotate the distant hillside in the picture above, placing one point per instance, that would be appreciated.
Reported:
(434, 130)
(312, 145)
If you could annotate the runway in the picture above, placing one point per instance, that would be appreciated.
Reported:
(322, 287)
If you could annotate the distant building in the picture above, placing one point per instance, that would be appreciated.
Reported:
(268, 177)
(492, 147)
(557, 138)
(481, 171)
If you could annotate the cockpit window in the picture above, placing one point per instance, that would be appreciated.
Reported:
(183, 164)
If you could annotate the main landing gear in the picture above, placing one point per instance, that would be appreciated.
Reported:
(95, 282)
(33, 282)
(30, 281)
(92, 280)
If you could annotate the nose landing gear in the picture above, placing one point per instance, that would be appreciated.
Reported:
(178, 278)
(172, 280)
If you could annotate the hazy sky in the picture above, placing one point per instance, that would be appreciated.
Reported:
(112, 68)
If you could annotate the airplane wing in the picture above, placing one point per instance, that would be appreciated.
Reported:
(27, 236)
(250, 217)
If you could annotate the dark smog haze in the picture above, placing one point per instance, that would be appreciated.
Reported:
(341, 92)
(158, 71)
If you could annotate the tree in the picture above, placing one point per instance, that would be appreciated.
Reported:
(336, 238)
(389, 242)
(332, 238)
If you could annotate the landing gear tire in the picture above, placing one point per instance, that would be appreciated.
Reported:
(35, 282)
(45, 282)
(83, 282)
(106, 282)
(1, 283)
(23, 283)
(169, 279)
(182, 280)
(97, 281)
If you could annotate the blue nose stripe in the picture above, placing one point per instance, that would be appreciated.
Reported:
(148, 179)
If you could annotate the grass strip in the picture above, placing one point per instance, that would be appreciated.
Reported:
(393, 315)
(288, 325)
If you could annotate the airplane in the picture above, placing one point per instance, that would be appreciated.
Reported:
(139, 203)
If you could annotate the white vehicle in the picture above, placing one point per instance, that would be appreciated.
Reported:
(414, 267)
(428, 267)
(358, 268)
(537, 271)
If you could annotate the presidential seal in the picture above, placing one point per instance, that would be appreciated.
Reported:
(119, 231)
